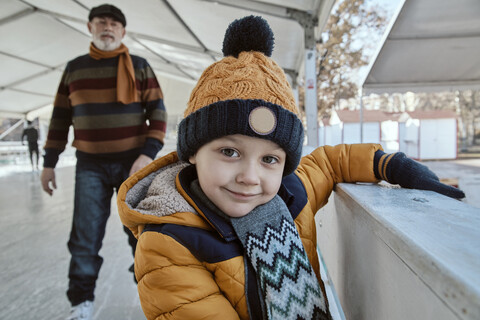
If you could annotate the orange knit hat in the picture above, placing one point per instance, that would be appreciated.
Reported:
(244, 93)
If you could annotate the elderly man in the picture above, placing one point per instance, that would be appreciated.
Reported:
(107, 96)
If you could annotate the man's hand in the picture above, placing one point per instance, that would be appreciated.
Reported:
(47, 177)
(141, 162)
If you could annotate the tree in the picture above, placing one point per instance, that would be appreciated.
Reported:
(351, 34)
(469, 110)
(344, 48)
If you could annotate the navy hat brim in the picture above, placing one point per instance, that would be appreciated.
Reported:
(108, 10)
(230, 117)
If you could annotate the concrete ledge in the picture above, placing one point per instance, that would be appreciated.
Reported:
(396, 253)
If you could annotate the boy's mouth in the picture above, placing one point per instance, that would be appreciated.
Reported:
(242, 195)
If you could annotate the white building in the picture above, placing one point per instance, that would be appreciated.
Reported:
(377, 127)
(428, 134)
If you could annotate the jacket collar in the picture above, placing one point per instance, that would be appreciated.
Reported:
(223, 227)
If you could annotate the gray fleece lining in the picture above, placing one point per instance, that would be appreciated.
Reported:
(157, 195)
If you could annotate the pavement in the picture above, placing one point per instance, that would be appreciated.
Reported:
(35, 229)
(465, 171)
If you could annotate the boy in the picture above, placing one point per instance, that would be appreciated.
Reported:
(225, 225)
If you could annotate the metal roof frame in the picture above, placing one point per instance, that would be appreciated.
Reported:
(430, 45)
(179, 38)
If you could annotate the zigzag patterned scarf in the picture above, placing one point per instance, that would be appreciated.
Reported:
(288, 283)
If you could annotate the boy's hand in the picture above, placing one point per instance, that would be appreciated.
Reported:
(397, 168)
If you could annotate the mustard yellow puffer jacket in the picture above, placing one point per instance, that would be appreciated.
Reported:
(188, 263)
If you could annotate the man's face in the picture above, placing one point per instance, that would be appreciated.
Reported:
(238, 173)
(107, 33)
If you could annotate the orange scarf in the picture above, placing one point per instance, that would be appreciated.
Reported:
(126, 89)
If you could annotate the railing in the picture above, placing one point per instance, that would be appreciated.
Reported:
(13, 152)
(15, 157)
(394, 253)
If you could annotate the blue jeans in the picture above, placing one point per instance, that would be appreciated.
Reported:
(95, 182)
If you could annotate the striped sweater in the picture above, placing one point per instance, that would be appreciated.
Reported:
(104, 128)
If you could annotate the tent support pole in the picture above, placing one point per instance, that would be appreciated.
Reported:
(311, 109)
(309, 22)
(361, 114)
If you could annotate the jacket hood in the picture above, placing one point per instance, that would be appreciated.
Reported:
(157, 195)
(150, 196)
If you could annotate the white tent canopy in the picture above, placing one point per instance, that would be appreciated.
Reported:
(179, 38)
(431, 45)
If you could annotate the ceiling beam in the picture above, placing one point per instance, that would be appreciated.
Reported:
(474, 36)
(258, 7)
(17, 15)
(193, 34)
(177, 66)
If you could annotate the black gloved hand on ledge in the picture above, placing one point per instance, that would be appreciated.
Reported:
(397, 168)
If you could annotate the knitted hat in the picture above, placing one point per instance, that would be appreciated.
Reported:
(108, 10)
(244, 93)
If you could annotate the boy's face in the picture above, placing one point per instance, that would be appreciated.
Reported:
(239, 173)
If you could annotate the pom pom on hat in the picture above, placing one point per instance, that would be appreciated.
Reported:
(250, 33)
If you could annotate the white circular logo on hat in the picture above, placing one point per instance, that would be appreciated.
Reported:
(262, 120)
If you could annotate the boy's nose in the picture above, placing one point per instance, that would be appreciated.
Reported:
(248, 174)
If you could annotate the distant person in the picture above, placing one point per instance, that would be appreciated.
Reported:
(115, 105)
(32, 138)
(225, 225)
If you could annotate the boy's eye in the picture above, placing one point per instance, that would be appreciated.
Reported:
(229, 152)
(270, 159)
